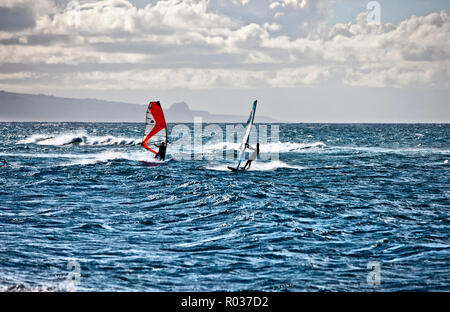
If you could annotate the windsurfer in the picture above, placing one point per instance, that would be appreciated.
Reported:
(162, 151)
(252, 156)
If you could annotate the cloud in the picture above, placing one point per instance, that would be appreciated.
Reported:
(15, 18)
(198, 44)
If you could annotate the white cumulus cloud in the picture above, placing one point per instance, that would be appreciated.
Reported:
(199, 44)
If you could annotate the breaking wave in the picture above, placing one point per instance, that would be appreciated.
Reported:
(82, 138)
(258, 166)
(78, 137)
(107, 156)
(280, 147)
(92, 158)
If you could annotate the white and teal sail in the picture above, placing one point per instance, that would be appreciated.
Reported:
(246, 137)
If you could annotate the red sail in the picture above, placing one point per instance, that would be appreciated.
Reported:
(155, 127)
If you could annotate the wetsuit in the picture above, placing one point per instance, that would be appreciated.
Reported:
(162, 151)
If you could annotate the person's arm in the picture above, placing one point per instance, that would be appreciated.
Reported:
(250, 147)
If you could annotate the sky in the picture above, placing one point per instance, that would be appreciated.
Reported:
(304, 60)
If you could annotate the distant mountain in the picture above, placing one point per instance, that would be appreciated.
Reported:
(31, 107)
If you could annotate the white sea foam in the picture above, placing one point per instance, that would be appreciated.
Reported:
(80, 137)
(280, 147)
(106, 156)
(389, 150)
(90, 158)
(257, 166)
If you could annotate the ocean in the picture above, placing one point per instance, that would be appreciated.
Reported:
(336, 207)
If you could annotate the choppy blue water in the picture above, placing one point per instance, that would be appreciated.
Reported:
(339, 197)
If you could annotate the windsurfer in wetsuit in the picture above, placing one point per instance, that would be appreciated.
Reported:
(162, 151)
(252, 156)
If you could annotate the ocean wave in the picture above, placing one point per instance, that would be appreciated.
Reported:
(390, 150)
(275, 147)
(107, 156)
(78, 137)
(258, 166)
(63, 286)
(25, 288)
(82, 138)
(91, 158)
